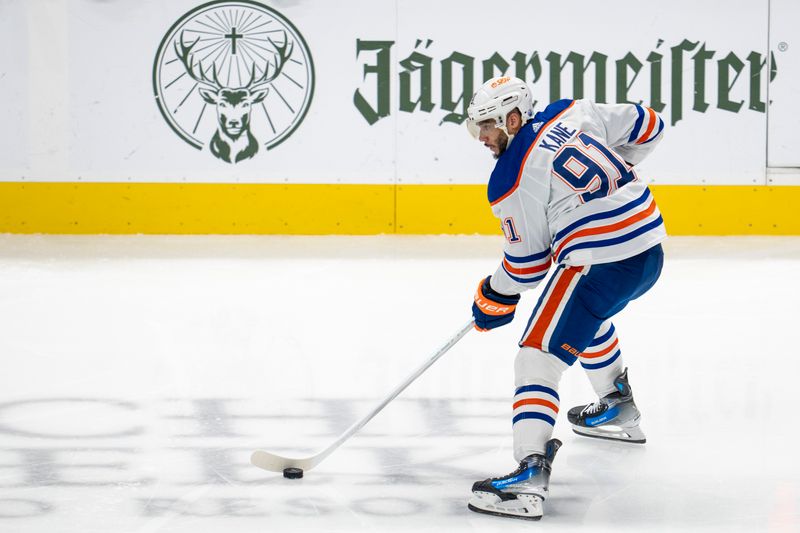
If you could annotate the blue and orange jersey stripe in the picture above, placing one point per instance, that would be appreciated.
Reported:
(609, 228)
(649, 119)
(527, 269)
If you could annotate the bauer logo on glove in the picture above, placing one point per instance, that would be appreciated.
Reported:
(492, 309)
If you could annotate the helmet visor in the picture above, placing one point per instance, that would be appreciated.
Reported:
(478, 129)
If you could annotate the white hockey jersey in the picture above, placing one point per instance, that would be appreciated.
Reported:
(565, 190)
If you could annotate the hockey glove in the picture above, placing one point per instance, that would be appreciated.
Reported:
(492, 309)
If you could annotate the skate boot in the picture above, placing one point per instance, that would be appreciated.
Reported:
(613, 417)
(519, 494)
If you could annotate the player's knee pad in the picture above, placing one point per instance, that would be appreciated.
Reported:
(535, 366)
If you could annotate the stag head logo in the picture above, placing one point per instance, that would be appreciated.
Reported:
(231, 77)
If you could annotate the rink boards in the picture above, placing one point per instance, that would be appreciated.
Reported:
(118, 120)
(157, 208)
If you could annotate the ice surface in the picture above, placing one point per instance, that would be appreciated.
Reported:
(138, 373)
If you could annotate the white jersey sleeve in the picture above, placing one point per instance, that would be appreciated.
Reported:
(526, 253)
(631, 130)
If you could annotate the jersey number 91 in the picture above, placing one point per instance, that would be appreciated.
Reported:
(590, 168)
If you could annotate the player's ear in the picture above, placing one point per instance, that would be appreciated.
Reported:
(514, 120)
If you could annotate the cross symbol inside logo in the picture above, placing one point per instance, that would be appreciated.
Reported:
(233, 36)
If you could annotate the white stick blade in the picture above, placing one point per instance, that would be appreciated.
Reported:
(276, 463)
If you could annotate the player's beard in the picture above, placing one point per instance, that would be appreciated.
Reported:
(502, 144)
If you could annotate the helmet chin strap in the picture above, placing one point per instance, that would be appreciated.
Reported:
(504, 126)
(510, 136)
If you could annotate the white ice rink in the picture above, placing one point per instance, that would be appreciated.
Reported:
(139, 372)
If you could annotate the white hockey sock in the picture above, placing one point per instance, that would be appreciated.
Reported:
(602, 360)
(536, 401)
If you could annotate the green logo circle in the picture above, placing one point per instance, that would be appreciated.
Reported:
(233, 76)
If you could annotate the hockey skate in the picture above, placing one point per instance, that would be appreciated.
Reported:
(519, 494)
(613, 417)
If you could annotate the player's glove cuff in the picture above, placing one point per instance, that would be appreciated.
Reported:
(492, 309)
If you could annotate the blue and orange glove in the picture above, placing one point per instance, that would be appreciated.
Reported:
(492, 309)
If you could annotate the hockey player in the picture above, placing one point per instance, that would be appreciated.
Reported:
(565, 192)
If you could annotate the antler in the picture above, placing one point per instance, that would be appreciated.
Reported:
(186, 57)
(284, 52)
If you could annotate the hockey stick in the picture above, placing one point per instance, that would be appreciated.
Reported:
(276, 463)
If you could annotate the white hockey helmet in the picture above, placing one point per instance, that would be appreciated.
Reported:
(495, 99)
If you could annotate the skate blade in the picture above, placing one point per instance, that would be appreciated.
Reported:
(633, 435)
(524, 507)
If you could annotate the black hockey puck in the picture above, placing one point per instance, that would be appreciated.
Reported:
(293, 473)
